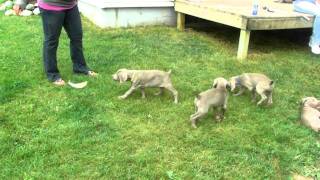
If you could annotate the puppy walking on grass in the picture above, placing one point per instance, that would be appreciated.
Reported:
(256, 83)
(142, 79)
(216, 97)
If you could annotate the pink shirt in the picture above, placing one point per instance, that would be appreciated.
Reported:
(46, 6)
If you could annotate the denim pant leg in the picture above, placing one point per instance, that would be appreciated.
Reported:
(73, 27)
(309, 7)
(52, 22)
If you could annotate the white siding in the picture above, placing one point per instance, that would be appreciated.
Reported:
(129, 3)
(128, 13)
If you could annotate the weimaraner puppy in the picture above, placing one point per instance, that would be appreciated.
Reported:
(310, 113)
(141, 79)
(255, 83)
(216, 97)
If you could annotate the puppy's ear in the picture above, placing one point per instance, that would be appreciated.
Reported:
(232, 84)
(215, 84)
(123, 76)
(304, 100)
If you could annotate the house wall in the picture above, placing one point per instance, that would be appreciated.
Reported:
(128, 13)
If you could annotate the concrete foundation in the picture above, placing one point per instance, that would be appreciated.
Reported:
(128, 13)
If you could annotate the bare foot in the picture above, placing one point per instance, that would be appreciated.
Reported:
(92, 74)
(59, 82)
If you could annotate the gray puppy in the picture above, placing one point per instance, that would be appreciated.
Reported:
(255, 83)
(216, 97)
(146, 78)
(310, 113)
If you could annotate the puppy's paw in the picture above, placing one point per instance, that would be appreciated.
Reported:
(259, 103)
(193, 122)
(219, 118)
(158, 93)
(193, 126)
(121, 97)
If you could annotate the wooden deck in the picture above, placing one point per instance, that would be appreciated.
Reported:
(238, 13)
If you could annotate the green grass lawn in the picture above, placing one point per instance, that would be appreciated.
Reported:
(47, 132)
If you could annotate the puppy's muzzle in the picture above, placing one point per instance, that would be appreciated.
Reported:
(232, 88)
(115, 77)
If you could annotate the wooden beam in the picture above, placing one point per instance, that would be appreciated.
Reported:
(243, 44)
(181, 20)
(212, 14)
(279, 23)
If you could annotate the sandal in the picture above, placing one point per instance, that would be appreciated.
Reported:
(59, 82)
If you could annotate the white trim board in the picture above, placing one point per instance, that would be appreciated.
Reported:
(129, 3)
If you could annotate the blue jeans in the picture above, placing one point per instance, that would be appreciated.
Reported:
(310, 7)
(53, 21)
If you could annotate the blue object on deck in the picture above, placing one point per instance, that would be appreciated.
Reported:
(255, 7)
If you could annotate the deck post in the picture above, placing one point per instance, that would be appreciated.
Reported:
(243, 44)
(181, 19)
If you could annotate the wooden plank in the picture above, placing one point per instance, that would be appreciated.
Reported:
(181, 19)
(211, 14)
(244, 7)
(243, 44)
(279, 23)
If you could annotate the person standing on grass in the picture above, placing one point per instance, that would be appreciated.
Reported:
(311, 7)
(56, 14)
